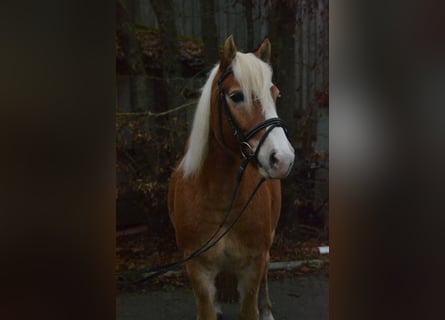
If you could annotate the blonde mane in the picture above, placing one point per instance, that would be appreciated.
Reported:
(255, 79)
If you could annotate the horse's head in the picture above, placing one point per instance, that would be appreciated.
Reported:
(246, 109)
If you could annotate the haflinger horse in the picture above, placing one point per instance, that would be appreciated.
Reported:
(235, 121)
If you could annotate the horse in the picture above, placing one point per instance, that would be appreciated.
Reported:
(235, 126)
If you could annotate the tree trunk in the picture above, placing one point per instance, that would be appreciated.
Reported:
(167, 82)
(170, 65)
(248, 4)
(282, 36)
(208, 31)
(130, 66)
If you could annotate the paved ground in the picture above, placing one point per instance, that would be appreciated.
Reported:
(304, 297)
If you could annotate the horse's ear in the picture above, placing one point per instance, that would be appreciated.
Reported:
(229, 53)
(263, 51)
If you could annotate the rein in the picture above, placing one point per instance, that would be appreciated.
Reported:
(243, 140)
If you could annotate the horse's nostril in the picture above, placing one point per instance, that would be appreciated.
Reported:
(273, 160)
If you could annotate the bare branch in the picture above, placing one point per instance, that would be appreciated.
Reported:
(154, 114)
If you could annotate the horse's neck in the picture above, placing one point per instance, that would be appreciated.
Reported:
(220, 169)
(219, 176)
(221, 163)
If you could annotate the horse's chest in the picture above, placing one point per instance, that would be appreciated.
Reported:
(234, 254)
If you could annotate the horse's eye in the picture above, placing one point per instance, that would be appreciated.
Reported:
(237, 97)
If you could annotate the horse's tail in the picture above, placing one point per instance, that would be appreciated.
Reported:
(226, 288)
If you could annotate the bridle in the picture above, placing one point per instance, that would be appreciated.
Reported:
(247, 151)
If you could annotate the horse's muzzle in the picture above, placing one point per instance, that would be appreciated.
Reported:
(279, 165)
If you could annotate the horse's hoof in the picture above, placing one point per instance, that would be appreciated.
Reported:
(267, 316)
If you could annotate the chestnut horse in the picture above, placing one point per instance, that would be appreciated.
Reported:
(235, 125)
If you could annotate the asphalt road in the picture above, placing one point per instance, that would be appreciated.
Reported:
(303, 297)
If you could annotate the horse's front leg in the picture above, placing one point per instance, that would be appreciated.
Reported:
(249, 282)
(203, 283)
(264, 303)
